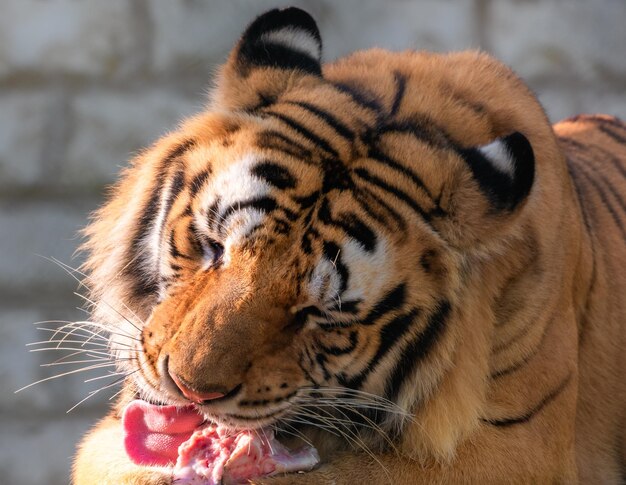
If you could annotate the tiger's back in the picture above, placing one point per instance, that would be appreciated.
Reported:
(595, 149)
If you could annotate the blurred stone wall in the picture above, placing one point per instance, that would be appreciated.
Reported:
(84, 84)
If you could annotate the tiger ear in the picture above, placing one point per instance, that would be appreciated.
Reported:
(489, 190)
(504, 169)
(277, 49)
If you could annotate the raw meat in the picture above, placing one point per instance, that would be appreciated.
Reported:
(213, 457)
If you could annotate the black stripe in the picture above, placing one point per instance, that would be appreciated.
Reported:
(174, 252)
(421, 128)
(533, 411)
(306, 201)
(365, 193)
(379, 156)
(274, 174)
(400, 81)
(274, 140)
(213, 218)
(351, 224)
(516, 337)
(337, 125)
(307, 240)
(585, 153)
(520, 364)
(336, 175)
(146, 284)
(198, 181)
(304, 132)
(607, 129)
(357, 230)
(253, 50)
(281, 226)
(504, 191)
(333, 254)
(347, 306)
(194, 237)
(417, 350)
(391, 333)
(362, 98)
(605, 202)
(321, 361)
(176, 187)
(303, 368)
(461, 98)
(517, 365)
(394, 191)
(289, 214)
(579, 188)
(266, 54)
(301, 317)
(600, 178)
(265, 204)
(392, 301)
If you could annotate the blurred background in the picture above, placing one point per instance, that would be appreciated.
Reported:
(84, 84)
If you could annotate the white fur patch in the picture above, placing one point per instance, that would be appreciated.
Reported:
(325, 282)
(498, 154)
(234, 185)
(294, 39)
(369, 271)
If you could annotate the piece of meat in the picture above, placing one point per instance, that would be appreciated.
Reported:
(212, 456)
(205, 454)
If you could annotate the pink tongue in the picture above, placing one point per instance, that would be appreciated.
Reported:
(153, 433)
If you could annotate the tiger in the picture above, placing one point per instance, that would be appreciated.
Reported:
(393, 256)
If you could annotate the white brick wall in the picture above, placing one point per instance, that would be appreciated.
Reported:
(22, 144)
(65, 37)
(84, 84)
(112, 125)
(572, 41)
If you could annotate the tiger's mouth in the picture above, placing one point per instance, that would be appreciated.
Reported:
(182, 437)
(225, 411)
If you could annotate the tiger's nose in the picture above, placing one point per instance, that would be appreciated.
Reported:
(194, 395)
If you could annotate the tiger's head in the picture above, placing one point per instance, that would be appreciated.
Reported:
(317, 234)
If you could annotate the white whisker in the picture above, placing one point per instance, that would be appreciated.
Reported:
(93, 393)
(75, 371)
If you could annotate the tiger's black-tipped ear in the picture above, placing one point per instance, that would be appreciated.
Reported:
(504, 170)
(486, 191)
(281, 38)
(279, 50)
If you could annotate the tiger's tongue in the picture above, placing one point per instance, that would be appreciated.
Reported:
(152, 434)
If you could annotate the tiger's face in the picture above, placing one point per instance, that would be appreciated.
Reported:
(276, 274)
(302, 239)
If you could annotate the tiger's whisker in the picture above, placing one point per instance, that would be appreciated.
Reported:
(295, 432)
(84, 361)
(106, 376)
(44, 329)
(70, 271)
(95, 344)
(96, 305)
(355, 439)
(94, 392)
(74, 371)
